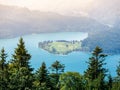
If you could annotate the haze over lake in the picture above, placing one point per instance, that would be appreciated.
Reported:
(75, 61)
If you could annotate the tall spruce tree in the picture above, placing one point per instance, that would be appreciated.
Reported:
(3, 70)
(21, 72)
(42, 80)
(96, 72)
(21, 57)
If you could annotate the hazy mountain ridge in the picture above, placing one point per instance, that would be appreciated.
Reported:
(15, 21)
(109, 41)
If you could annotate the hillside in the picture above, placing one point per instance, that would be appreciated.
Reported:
(109, 41)
(16, 21)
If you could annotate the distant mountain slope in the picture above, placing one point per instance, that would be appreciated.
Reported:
(15, 21)
(109, 41)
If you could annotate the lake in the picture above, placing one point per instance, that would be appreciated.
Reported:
(75, 61)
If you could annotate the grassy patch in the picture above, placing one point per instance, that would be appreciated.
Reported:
(60, 47)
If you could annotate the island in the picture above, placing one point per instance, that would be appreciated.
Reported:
(62, 47)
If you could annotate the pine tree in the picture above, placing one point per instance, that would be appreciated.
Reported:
(21, 72)
(110, 82)
(3, 70)
(42, 80)
(96, 72)
(21, 56)
(117, 79)
(57, 69)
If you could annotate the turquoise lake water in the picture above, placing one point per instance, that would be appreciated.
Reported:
(75, 61)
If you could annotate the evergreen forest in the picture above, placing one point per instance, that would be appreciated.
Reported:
(17, 73)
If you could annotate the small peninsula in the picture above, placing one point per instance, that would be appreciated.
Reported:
(62, 47)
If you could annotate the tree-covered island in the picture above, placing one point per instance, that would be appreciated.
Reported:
(62, 47)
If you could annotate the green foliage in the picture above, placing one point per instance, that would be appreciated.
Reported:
(42, 73)
(18, 74)
(96, 72)
(3, 70)
(3, 57)
(60, 47)
(118, 70)
(42, 79)
(110, 82)
(57, 68)
(21, 56)
(20, 70)
(116, 84)
(71, 81)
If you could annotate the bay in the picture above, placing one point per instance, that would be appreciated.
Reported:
(75, 61)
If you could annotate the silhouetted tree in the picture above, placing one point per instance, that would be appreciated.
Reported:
(110, 82)
(42, 79)
(3, 70)
(96, 72)
(117, 79)
(57, 68)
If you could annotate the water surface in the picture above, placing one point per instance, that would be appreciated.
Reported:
(75, 61)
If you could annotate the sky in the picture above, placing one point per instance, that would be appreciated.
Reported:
(104, 10)
(50, 5)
